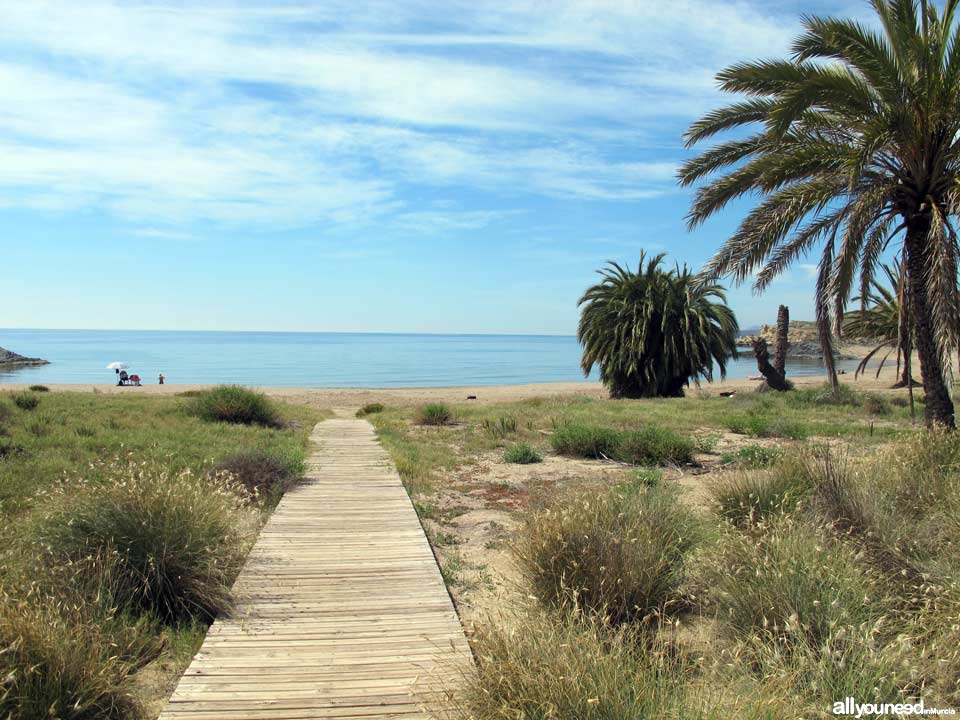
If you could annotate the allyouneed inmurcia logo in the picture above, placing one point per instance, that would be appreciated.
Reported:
(849, 706)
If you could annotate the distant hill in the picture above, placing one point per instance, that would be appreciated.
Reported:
(8, 357)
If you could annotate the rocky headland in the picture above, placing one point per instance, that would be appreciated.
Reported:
(803, 338)
(8, 357)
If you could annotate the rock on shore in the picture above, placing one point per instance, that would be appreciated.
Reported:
(803, 339)
(7, 357)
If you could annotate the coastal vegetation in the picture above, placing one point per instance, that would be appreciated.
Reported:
(759, 578)
(26, 401)
(850, 147)
(370, 409)
(652, 331)
(435, 414)
(125, 520)
(885, 319)
(618, 554)
(522, 454)
(265, 474)
(234, 404)
(650, 445)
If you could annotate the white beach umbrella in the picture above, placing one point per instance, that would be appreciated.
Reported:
(117, 366)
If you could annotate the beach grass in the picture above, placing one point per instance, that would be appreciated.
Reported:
(807, 552)
(618, 554)
(125, 521)
(661, 428)
(84, 429)
(821, 585)
(522, 454)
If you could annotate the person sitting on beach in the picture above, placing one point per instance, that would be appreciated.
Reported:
(123, 378)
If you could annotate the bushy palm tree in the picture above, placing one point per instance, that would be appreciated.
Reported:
(884, 318)
(854, 144)
(652, 331)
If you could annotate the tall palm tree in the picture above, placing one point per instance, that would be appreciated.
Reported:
(854, 144)
(886, 319)
(652, 331)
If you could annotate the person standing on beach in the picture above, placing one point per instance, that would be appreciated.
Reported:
(161, 378)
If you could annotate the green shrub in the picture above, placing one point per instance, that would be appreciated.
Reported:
(25, 401)
(522, 454)
(748, 498)
(8, 447)
(434, 414)
(643, 478)
(39, 388)
(764, 426)
(586, 441)
(876, 405)
(180, 539)
(263, 474)
(843, 396)
(654, 446)
(234, 404)
(38, 427)
(752, 456)
(501, 427)
(825, 394)
(706, 443)
(646, 446)
(542, 667)
(620, 554)
(370, 409)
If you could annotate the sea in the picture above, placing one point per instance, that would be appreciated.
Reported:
(301, 359)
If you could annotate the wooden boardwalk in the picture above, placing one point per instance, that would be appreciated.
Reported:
(342, 612)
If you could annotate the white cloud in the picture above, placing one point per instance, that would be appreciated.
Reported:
(431, 222)
(289, 113)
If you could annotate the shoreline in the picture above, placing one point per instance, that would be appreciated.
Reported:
(353, 397)
(357, 396)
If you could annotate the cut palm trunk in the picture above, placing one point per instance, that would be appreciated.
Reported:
(773, 379)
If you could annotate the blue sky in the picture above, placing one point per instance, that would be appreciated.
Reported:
(357, 165)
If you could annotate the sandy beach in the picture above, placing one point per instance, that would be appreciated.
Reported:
(355, 397)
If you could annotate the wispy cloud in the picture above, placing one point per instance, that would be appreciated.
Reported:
(432, 222)
(285, 114)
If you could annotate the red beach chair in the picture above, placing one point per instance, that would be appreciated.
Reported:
(135, 380)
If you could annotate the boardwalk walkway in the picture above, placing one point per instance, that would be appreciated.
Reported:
(342, 610)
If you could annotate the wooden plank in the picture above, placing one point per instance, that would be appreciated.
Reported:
(341, 609)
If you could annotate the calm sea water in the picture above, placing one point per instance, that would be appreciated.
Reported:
(308, 359)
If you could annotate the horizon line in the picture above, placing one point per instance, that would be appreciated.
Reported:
(314, 332)
(292, 332)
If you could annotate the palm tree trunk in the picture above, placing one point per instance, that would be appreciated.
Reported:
(775, 380)
(938, 409)
(783, 340)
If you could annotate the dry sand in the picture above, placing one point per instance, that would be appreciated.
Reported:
(355, 397)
